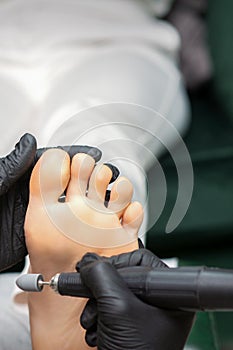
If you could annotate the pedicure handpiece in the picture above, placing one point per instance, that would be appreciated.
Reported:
(186, 288)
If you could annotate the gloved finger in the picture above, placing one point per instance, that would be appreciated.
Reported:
(107, 198)
(87, 258)
(72, 150)
(88, 317)
(115, 172)
(140, 257)
(140, 244)
(15, 164)
(103, 280)
(91, 337)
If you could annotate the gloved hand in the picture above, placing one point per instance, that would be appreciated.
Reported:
(116, 319)
(15, 171)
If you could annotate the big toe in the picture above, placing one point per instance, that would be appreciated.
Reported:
(50, 175)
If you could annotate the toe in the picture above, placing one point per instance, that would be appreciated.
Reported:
(81, 170)
(99, 182)
(121, 195)
(50, 175)
(132, 218)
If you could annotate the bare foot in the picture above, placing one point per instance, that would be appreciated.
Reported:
(59, 234)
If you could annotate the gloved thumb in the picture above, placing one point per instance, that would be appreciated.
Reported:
(15, 164)
(102, 279)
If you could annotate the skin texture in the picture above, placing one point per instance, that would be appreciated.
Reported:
(59, 234)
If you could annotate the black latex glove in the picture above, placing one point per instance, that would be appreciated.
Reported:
(116, 319)
(15, 171)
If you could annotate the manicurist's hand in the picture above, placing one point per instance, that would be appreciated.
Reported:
(115, 319)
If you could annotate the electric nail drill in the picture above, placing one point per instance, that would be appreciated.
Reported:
(185, 288)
